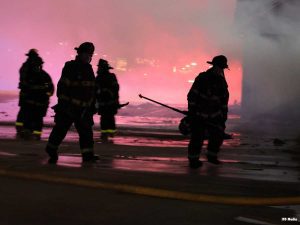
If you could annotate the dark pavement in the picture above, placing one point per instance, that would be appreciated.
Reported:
(130, 182)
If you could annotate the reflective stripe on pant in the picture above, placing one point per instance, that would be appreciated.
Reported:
(33, 117)
(37, 132)
(20, 120)
(19, 124)
(108, 123)
(19, 127)
(108, 131)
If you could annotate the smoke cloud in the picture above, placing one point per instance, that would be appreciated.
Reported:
(270, 32)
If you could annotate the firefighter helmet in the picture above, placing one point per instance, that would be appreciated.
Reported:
(103, 64)
(86, 47)
(32, 53)
(220, 61)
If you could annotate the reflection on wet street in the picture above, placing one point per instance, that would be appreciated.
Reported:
(152, 138)
(178, 165)
(147, 141)
(242, 157)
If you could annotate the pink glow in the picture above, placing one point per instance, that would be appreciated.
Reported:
(148, 42)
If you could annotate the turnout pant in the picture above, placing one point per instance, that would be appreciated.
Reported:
(108, 123)
(20, 119)
(34, 119)
(63, 123)
(30, 119)
(199, 128)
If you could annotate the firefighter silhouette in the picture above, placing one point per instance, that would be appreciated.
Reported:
(208, 108)
(107, 95)
(25, 70)
(36, 87)
(76, 104)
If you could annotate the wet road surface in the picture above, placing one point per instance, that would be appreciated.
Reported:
(252, 166)
(256, 159)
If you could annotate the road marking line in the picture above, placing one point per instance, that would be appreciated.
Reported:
(156, 192)
(252, 221)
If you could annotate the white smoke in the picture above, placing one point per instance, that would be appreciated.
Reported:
(270, 32)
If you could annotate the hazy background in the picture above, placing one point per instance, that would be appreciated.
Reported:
(157, 47)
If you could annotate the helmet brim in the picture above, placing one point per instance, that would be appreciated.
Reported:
(211, 63)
